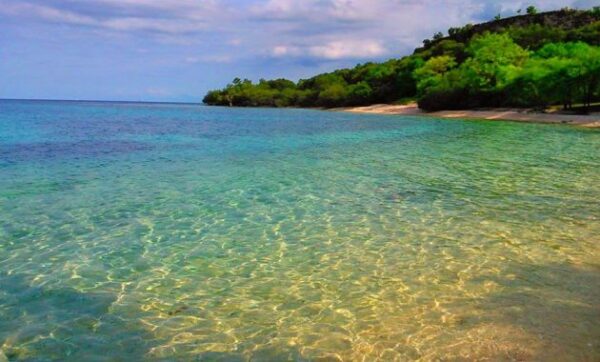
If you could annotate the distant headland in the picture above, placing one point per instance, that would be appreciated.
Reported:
(535, 61)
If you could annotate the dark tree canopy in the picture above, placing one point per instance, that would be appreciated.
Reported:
(531, 10)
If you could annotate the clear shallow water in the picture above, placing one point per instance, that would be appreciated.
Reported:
(174, 232)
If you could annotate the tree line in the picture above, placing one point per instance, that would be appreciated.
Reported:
(525, 64)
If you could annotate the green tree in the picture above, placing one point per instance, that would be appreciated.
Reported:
(493, 58)
(580, 72)
(534, 36)
(359, 93)
(431, 74)
(333, 95)
(406, 82)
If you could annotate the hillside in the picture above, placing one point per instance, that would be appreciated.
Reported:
(531, 60)
(565, 20)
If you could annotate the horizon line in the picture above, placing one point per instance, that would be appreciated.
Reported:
(98, 101)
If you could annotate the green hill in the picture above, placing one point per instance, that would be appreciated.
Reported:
(532, 60)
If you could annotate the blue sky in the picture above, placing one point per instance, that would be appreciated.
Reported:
(176, 50)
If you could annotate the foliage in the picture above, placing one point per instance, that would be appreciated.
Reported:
(431, 74)
(524, 62)
(531, 10)
(563, 73)
(500, 73)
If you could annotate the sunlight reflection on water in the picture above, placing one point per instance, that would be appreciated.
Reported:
(172, 232)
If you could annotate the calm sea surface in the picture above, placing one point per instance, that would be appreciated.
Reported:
(180, 232)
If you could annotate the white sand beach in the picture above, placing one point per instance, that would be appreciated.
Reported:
(506, 114)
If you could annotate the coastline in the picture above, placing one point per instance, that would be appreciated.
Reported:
(500, 114)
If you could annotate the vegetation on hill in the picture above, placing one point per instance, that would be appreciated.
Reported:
(531, 60)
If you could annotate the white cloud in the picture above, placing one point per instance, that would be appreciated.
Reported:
(46, 13)
(318, 10)
(284, 50)
(209, 59)
(349, 49)
(184, 16)
(340, 49)
(159, 25)
(321, 29)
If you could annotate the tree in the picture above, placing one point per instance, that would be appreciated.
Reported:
(279, 84)
(492, 57)
(561, 73)
(534, 36)
(406, 83)
(334, 95)
(540, 83)
(580, 71)
(213, 97)
(382, 80)
(359, 93)
(430, 75)
(532, 10)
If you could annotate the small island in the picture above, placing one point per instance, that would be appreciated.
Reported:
(532, 63)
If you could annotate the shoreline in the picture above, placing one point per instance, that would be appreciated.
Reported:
(499, 114)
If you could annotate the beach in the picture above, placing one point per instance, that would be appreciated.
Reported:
(503, 114)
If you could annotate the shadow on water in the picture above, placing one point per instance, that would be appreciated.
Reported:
(39, 323)
(547, 312)
(529, 312)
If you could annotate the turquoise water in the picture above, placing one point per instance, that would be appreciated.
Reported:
(179, 232)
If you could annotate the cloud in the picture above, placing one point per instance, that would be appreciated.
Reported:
(209, 59)
(320, 10)
(178, 49)
(319, 29)
(348, 49)
(284, 50)
(154, 17)
(46, 13)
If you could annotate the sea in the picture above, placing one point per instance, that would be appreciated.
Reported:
(178, 232)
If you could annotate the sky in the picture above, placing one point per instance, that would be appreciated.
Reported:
(176, 50)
